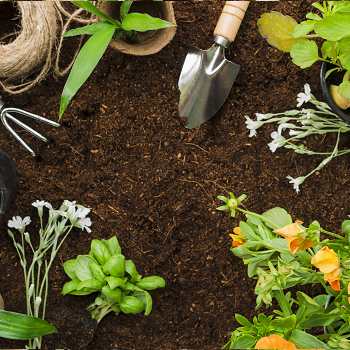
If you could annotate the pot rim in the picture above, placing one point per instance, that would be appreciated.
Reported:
(327, 95)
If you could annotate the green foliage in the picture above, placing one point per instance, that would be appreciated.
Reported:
(23, 327)
(333, 26)
(106, 271)
(102, 33)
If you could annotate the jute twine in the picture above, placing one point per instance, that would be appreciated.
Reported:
(32, 49)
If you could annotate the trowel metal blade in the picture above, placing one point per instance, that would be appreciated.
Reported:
(205, 81)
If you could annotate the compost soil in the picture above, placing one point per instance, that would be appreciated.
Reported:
(123, 151)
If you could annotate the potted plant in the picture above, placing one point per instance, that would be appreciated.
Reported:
(142, 43)
(333, 26)
(280, 254)
(102, 33)
(8, 182)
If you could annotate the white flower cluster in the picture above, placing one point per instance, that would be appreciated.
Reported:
(320, 121)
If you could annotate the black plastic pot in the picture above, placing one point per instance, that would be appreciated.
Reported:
(327, 95)
(8, 182)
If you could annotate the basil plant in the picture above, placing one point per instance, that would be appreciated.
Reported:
(101, 34)
(105, 270)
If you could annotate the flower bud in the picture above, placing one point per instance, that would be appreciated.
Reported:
(31, 290)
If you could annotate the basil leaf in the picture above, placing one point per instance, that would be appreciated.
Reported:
(115, 266)
(82, 267)
(132, 305)
(69, 269)
(114, 295)
(97, 272)
(150, 283)
(70, 286)
(114, 282)
(130, 268)
(91, 284)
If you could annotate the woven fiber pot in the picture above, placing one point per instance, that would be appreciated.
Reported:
(8, 182)
(151, 41)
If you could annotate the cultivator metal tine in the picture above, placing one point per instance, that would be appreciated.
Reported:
(5, 113)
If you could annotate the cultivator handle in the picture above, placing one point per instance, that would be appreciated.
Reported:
(230, 19)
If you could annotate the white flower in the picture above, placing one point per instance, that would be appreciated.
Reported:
(284, 126)
(296, 182)
(304, 97)
(79, 213)
(278, 141)
(39, 205)
(18, 223)
(260, 116)
(55, 214)
(252, 125)
(84, 224)
(27, 237)
(31, 290)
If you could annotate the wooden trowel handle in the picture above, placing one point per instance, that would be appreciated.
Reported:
(230, 19)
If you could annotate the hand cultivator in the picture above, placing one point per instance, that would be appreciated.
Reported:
(5, 114)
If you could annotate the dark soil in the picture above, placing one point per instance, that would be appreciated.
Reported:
(123, 151)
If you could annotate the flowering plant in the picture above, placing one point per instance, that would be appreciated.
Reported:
(51, 237)
(287, 35)
(280, 254)
(302, 123)
(105, 270)
(101, 34)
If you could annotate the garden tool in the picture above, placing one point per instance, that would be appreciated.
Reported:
(207, 76)
(5, 114)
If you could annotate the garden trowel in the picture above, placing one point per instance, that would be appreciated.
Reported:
(207, 76)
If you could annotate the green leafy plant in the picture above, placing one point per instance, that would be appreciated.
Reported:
(51, 237)
(23, 327)
(332, 25)
(302, 123)
(101, 34)
(281, 254)
(105, 270)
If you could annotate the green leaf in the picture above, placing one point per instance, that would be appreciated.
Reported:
(345, 226)
(114, 295)
(82, 267)
(130, 268)
(318, 319)
(113, 245)
(23, 327)
(97, 272)
(280, 244)
(333, 27)
(305, 300)
(278, 216)
(151, 282)
(344, 89)
(70, 286)
(88, 6)
(303, 28)
(84, 292)
(248, 232)
(284, 324)
(124, 8)
(100, 251)
(85, 63)
(114, 282)
(132, 305)
(141, 22)
(321, 299)
(91, 283)
(69, 269)
(242, 320)
(303, 340)
(277, 29)
(146, 298)
(313, 16)
(115, 266)
(89, 30)
(304, 53)
(245, 341)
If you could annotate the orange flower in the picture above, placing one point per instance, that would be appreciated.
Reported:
(238, 238)
(274, 341)
(290, 232)
(327, 261)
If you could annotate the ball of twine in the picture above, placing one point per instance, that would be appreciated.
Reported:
(32, 49)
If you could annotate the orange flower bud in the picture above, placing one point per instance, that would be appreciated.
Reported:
(290, 232)
(274, 341)
(238, 238)
(326, 260)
